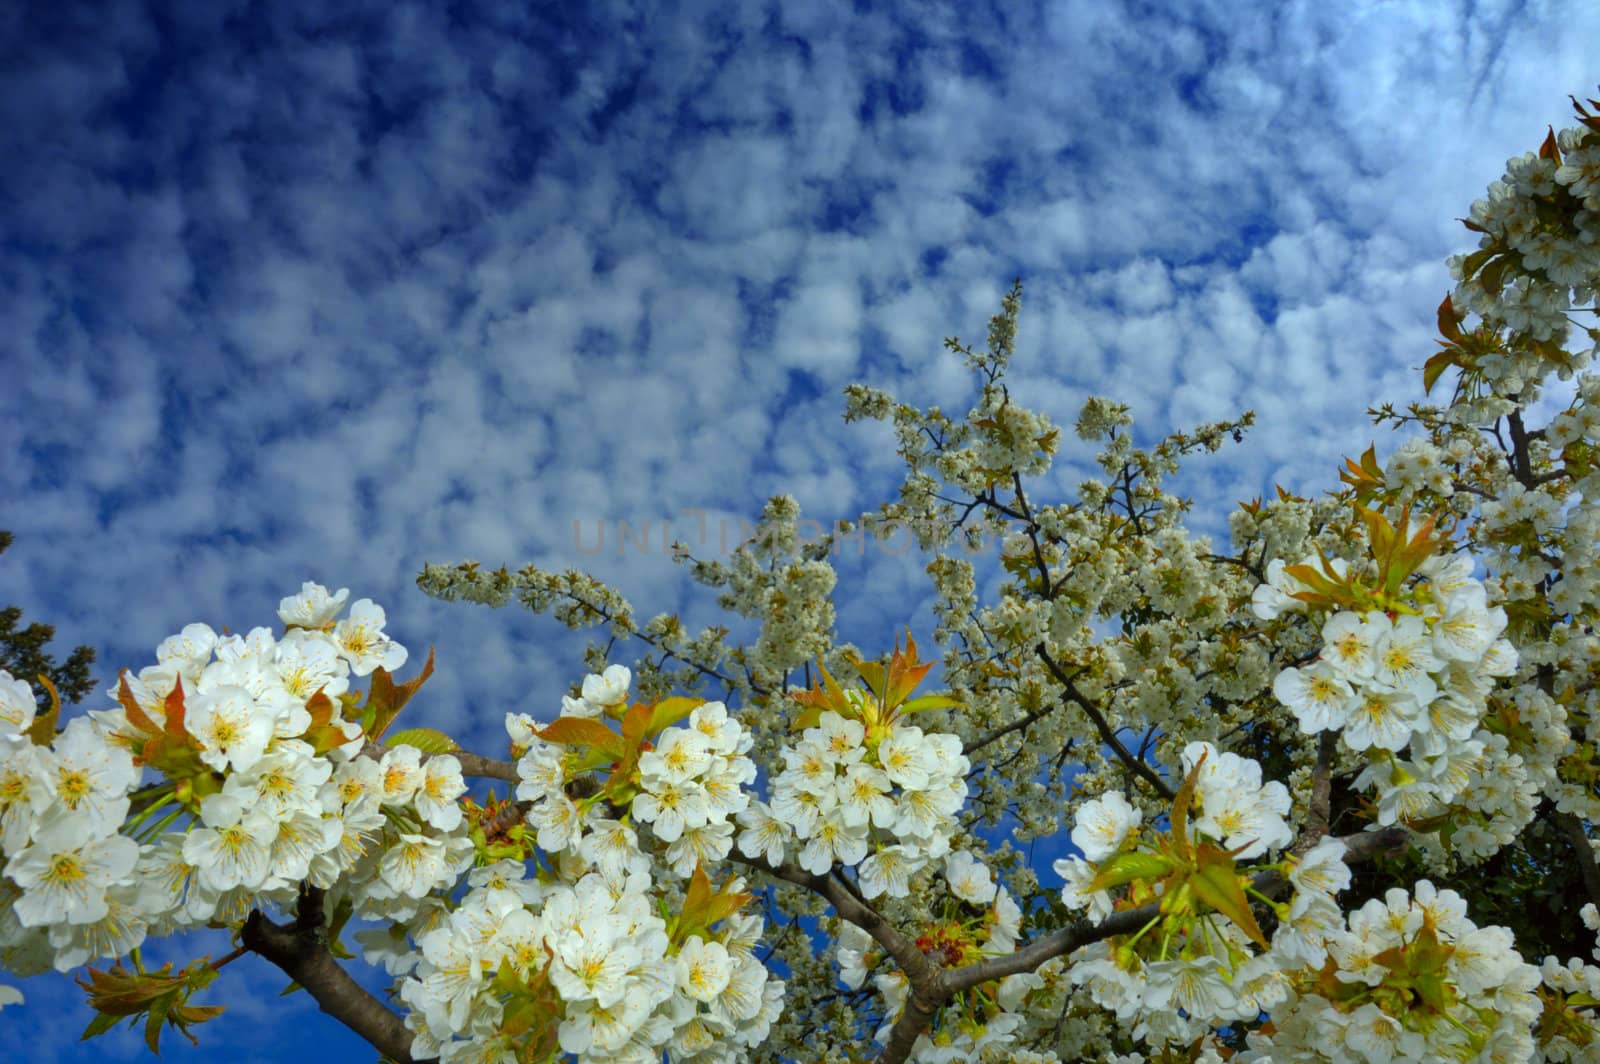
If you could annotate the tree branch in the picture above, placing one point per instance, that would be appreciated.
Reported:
(921, 1007)
(475, 766)
(1521, 461)
(300, 949)
(1006, 729)
(635, 632)
(1318, 822)
(856, 910)
(1570, 826)
(1107, 736)
(479, 767)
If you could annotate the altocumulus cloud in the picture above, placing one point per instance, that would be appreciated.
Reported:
(308, 290)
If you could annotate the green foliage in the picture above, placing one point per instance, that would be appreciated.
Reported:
(23, 654)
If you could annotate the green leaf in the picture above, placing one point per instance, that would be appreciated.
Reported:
(1398, 553)
(102, 1022)
(1220, 886)
(1327, 587)
(1124, 868)
(1434, 368)
(1474, 262)
(158, 1015)
(521, 1017)
(336, 923)
(924, 703)
(703, 907)
(1180, 810)
(1493, 277)
(159, 996)
(669, 711)
(428, 740)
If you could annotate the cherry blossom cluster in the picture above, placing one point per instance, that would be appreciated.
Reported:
(596, 961)
(1406, 978)
(263, 790)
(1237, 810)
(588, 938)
(402, 837)
(689, 784)
(885, 808)
(70, 890)
(1527, 271)
(1407, 688)
(270, 784)
(693, 784)
(1195, 958)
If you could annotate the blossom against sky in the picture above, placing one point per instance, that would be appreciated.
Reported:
(309, 291)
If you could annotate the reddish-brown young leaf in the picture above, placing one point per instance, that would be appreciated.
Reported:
(582, 731)
(175, 713)
(387, 698)
(1550, 149)
(320, 706)
(130, 705)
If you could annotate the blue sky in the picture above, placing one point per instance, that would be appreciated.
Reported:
(292, 295)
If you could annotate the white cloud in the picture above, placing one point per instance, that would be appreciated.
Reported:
(286, 296)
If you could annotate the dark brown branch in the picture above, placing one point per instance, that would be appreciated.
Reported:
(856, 910)
(1521, 461)
(1570, 826)
(1321, 790)
(921, 1007)
(1242, 562)
(1047, 592)
(300, 949)
(1136, 516)
(1107, 736)
(1001, 732)
(648, 640)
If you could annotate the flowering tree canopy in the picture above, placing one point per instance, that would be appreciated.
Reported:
(1333, 793)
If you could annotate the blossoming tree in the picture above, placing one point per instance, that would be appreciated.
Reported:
(1334, 794)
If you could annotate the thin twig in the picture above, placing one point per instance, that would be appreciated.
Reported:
(999, 733)
(1107, 736)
